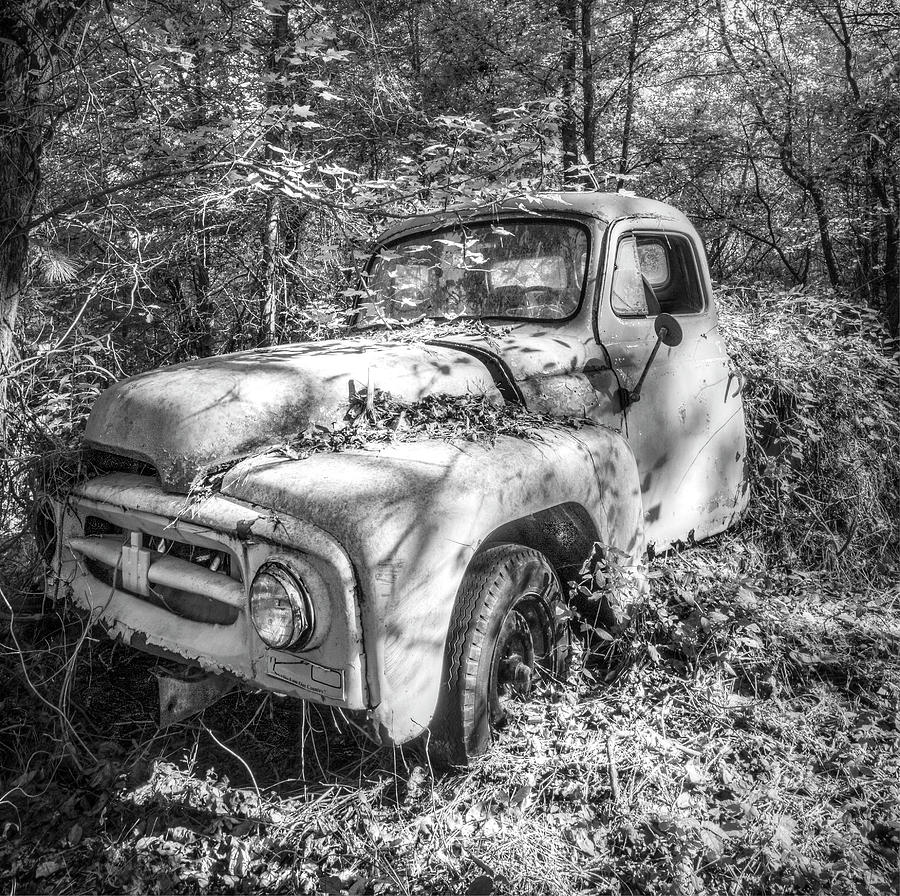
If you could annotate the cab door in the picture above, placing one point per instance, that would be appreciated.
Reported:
(687, 428)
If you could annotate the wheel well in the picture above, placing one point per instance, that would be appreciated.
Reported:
(564, 534)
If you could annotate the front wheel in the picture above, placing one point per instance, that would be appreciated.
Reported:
(504, 634)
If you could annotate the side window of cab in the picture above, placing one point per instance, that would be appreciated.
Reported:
(656, 272)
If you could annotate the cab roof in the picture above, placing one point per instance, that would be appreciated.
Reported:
(603, 206)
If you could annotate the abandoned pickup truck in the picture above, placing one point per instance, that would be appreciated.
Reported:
(418, 581)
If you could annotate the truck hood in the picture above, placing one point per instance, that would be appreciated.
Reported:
(203, 413)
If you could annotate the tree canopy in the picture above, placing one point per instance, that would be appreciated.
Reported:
(192, 177)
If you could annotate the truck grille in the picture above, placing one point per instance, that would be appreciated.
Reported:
(189, 580)
(215, 561)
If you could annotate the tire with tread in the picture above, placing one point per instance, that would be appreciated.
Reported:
(507, 588)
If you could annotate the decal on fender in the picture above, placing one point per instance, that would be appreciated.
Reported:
(306, 675)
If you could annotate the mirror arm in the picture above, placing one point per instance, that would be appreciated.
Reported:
(634, 395)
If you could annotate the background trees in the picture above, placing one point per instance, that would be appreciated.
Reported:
(186, 177)
(38, 39)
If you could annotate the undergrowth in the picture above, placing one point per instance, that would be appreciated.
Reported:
(823, 420)
(742, 736)
(749, 744)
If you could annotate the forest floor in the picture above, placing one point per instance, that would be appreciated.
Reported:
(746, 739)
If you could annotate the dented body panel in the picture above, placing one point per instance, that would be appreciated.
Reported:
(382, 537)
(420, 512)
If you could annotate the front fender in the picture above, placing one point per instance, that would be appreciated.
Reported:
(412, 514)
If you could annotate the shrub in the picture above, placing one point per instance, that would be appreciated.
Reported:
(821, 399)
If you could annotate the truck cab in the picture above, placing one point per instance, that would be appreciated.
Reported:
(577, 282)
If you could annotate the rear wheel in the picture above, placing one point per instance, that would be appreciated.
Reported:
(504, 635)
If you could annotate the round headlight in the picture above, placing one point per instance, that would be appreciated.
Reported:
(280, 607)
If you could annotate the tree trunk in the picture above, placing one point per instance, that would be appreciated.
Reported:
(18, 185)
(21, 124)
(568, 127)
(271, 236)
(803, 179)
(872, 126)
(271, 247)
(818, 201)
(13, 252)
(629, 99)
(588, 90)
(892, 264)
(201, 342)
(415, 46)
(35, 34)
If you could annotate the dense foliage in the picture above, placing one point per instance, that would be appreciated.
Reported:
(193, 177)
(184, 178)
(824, 429)
(188, 178)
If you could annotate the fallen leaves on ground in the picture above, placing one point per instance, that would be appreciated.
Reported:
(752, 733)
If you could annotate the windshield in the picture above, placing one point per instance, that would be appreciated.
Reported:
(519, 269)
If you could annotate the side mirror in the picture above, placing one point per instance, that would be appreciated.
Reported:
(668, 332)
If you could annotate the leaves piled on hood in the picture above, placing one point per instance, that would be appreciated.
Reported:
(471, 418)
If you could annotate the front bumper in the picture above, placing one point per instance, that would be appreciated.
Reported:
(172, 576)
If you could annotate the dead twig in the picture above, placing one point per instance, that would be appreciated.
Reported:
(611, 764)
